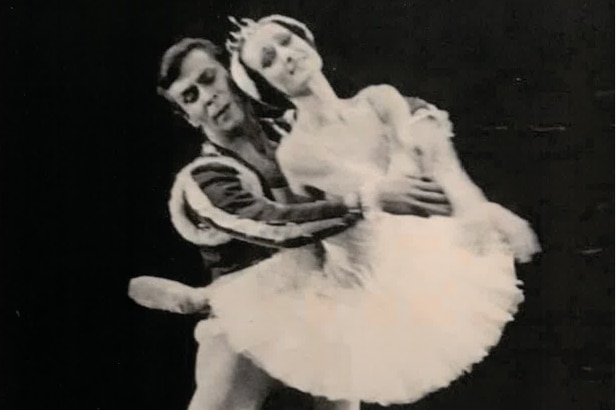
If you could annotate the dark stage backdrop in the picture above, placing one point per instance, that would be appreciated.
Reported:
(93, 151)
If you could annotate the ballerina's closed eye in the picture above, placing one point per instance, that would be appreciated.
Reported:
(268, 54)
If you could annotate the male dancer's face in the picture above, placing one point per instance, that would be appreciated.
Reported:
(204, 93)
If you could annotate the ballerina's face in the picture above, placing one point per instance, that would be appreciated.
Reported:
(282, 58)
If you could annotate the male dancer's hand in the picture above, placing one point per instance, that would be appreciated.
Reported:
(409, 195)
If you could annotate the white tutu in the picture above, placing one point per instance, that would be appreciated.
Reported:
(399, 309)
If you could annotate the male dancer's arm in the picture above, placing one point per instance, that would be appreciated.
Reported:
(229, 207)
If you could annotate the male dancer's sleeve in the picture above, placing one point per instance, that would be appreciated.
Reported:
(228, 206)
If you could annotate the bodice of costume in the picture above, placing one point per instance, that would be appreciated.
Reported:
(339, 161)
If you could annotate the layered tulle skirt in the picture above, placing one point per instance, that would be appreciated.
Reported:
(386, 312)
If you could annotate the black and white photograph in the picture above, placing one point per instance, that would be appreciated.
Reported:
(292, 205)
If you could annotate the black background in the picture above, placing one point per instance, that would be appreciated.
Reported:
(91, 152)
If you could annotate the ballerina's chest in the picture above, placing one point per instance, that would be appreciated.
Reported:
(347, 152)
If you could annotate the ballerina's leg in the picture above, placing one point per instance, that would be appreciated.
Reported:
(225, 379)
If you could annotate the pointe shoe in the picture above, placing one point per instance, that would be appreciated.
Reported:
(167, 295)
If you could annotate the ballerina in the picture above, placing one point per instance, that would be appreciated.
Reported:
(401, 305)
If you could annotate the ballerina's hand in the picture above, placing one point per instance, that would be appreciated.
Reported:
(517, 233)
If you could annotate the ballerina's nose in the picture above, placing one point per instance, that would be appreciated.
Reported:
(288, 58)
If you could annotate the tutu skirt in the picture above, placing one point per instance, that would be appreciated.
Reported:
(393, 309)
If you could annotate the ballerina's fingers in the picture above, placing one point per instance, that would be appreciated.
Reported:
(524, 244)
(521, 238)
(517, 232)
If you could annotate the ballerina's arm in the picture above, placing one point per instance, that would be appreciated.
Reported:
(424, 132)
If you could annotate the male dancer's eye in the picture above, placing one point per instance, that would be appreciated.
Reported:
(207, 77)
(190, 96)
